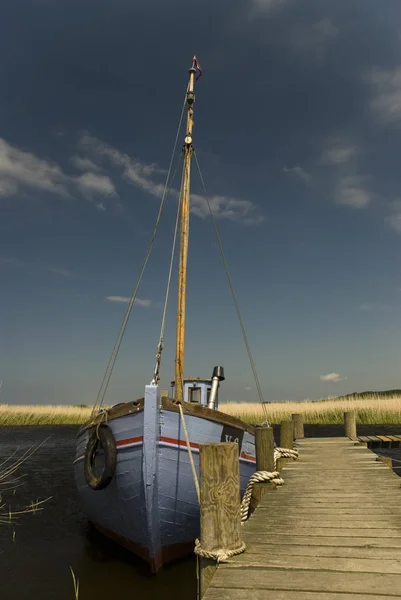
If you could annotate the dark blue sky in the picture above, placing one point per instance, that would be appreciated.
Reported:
(297, 129)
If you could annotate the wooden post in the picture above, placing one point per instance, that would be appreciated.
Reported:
(264, 443)
(220, 519)
(387, 460)
(287, 434)
(350, 424)
(286, 440)
(298, 426)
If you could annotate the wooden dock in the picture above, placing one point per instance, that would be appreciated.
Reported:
(331, 532)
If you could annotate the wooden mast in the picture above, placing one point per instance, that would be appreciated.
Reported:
(184, 234)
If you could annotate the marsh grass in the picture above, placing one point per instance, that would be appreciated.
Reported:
(14, 415)
(371, 410)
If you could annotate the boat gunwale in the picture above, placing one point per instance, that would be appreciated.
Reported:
(195, 410)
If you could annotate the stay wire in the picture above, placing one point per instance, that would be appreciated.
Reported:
(244, 334)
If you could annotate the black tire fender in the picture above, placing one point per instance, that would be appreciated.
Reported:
(101, 438)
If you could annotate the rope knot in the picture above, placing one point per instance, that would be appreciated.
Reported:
(221, 555)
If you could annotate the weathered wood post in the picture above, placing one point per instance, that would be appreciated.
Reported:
(286, 440)
(350, 424)
(298, 426)
(220, 519)
(264, 444)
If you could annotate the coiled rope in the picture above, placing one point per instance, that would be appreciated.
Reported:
(222, 554)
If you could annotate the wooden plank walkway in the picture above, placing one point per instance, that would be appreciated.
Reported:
(332, 532)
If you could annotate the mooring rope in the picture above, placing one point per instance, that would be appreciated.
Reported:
(219, 555)
(191, 458)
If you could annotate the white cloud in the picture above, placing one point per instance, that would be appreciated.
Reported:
(394, 221)
(386, 88)
(84, 164)
(136, 172)
(59, 271)
(374, 306)
(224, 207)
(323, 31)
(266, 6)
(145, 176)
(350, 192)
(299, 172)
(23, 169)
(332, 377)
(12, 262)
(338, 152)
(126, 299)
(20, 169)
(90, 183)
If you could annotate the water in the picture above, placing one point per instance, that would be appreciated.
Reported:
(36, 564)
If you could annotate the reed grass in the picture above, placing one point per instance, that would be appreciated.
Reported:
(371, 410)
(14, 415)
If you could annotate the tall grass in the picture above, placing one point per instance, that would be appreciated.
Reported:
(12, 415)
(372, 410)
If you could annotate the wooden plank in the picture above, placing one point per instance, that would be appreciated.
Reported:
(306, 581)
(269, 548)
(316, 563)
(232, 594)
(332, 532)
(363, 438)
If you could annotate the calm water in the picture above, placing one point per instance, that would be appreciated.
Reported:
(36, 564)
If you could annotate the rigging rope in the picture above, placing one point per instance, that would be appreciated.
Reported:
(156, 376)
(110, 365)
(244, 334)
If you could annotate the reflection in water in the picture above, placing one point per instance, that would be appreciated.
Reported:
(36, 564)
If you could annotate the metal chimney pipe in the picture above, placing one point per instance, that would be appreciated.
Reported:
(218, 375)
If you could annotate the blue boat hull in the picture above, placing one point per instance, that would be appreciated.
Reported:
(150, 505)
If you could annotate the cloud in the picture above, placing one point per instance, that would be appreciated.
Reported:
(247, 388)
(145, 176)
(374, 306)
(134, 171)
(23, 169)
(332, 377)
(386, 93)
(12, 262)
(60, 271)
(91, 183)
(266, 6)
(394, 221)
(84, 164)
(350, 192)
(338, 152)
(322, 32)
(126, 299)
(224, 207)
(299, 172)
(20, 169)
(313, 38)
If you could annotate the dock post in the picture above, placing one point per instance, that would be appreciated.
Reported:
(264, 444)
(286, 440)
(298, 426)
(220, 517)
(350, 424)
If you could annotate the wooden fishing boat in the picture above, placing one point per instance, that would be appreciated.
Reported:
(144, 496)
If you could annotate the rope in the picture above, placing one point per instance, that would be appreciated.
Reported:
(257, 477)
(219, 555)
(284, 453)
(191, 458)
(156, 376)
(244, 334)
(110, 365)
